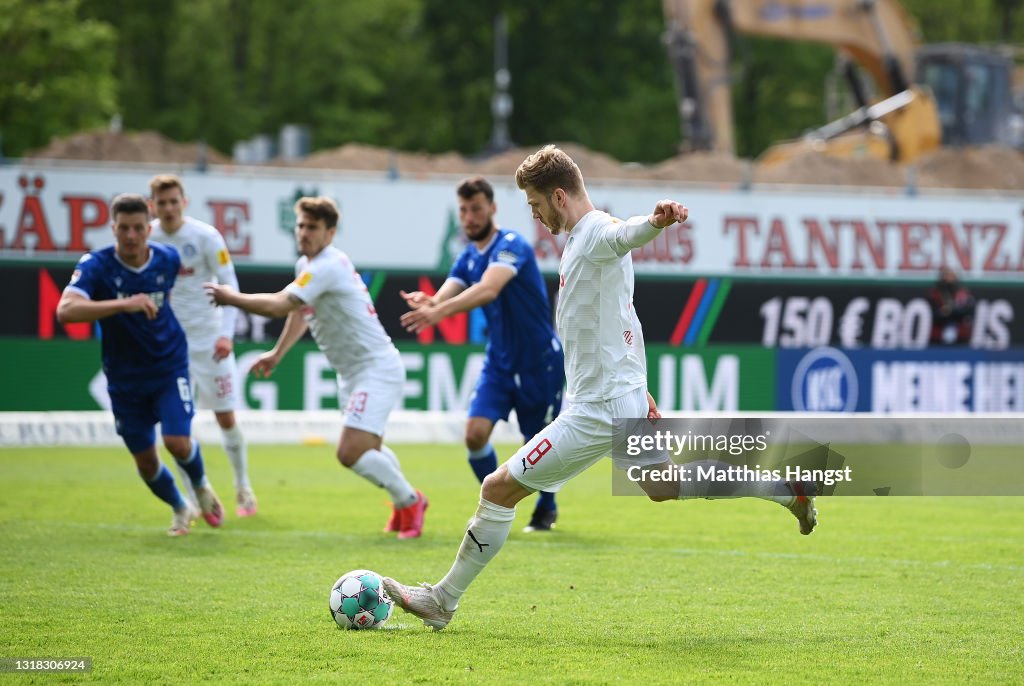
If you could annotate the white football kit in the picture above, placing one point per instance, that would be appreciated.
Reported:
(204, 258)
(605, 363)
(345, 326)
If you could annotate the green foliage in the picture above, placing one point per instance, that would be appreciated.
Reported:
(779, 91)
(56, 74)
(408, 74)
(595, 73)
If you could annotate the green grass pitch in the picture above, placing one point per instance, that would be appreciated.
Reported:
(895, 590)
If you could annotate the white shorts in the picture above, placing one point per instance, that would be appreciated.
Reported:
(213, 382)
(580, 436)
(367, 398)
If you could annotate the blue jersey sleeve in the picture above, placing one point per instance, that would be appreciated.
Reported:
(513, 251)
(86, 276)
(460, 270)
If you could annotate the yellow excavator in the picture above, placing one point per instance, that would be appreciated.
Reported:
(944, 94)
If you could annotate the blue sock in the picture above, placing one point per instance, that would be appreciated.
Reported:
(163, 487)
(546, 501)
(483, 461)
(193, 466)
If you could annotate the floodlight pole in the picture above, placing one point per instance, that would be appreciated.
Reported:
(501, 101)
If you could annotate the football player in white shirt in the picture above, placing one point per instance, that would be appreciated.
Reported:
(329, 298)
(210, 332)
(606, 377)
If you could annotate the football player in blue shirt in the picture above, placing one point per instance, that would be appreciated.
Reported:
(126, 287)
(524, 368)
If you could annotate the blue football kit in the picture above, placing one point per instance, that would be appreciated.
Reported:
(524, 364)
(145, 361)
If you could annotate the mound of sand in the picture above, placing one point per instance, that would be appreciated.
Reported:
(107, 146)
(987, 167)
(968, 168)
(819, 169)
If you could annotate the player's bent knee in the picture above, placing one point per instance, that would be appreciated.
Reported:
(477, 434)
(349, 453)
(147, 463)
(501, 488)
(346, 457)
(225, 420)
(179, 446)
(475, 441)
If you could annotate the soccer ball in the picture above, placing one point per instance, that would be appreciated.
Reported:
(359, 601)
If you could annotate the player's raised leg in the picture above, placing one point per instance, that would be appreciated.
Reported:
(796, 496)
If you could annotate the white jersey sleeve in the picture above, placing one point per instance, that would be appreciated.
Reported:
(615, 239)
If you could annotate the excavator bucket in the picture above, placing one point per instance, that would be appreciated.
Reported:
(898, 129)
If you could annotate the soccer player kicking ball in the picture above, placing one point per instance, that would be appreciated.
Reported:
(210, 331)
(126, 287)
(605, 370)
(329, 298)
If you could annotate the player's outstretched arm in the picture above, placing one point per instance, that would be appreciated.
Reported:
(636, 232)
(417, 299)
(489, 287)
(271, 305)
(294, 328)
(75, 307)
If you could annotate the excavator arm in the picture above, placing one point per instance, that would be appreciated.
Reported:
(877, 35)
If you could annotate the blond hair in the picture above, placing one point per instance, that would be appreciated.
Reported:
(550, 168)
(320, 207)
(164, 182)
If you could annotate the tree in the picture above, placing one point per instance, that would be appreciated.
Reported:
(56, 76)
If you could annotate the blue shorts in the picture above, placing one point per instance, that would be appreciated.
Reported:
(138, 406)
(536, 395)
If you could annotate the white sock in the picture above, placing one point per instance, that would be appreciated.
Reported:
(775, 491)
(390, 454)
(375, 467)
(190, 491)
(234, 446)
(485, 534)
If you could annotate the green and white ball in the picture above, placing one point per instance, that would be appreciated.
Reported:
(359, 601)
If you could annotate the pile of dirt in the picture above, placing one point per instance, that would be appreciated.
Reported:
(986, 167)
(108, 146)
(593, 164)
(701, 167)
(351, 156)
(967, 168)
(819, 169)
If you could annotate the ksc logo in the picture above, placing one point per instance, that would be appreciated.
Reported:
(824, 381)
